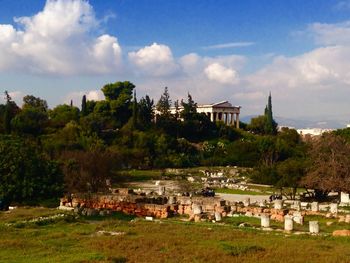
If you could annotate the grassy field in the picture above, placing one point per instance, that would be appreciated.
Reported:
(68, 239)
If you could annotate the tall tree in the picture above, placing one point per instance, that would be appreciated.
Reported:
(189, 109)
(164, 103)
(146, 111)
(83, 106)
(134, 112)
(11, 109)
(119, 96)
(270, 124)
(330, 165)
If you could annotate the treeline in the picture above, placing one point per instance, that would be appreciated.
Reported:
(45, 152)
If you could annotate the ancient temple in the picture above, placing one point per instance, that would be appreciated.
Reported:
(221, 111)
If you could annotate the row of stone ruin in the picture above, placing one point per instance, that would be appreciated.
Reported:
(197, 208)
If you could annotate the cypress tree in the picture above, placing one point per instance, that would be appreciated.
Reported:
(8, 113)
(134, 112)
(270, 124)
(83, 106)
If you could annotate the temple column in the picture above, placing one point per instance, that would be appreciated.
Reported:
(237, 120)
(232, 120)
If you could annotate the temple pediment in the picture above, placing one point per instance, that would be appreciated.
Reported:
(222, 104)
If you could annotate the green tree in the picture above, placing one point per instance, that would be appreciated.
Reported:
(33, 117)
(62, 114)
(145, 111)
(25, 174)
(134, 112)
(11, 110)
(270, 124)
(189, 109)
(164, 104)
(257, 125)
(119, 96)
(83, 106)
(30, 101)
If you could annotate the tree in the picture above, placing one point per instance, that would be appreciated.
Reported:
(33, 117)
(87, 171)
(134, 112)
(164, 104)
(62, 114)
(189, 109)
(30, 101)
(257, 125)
(290, 172)
(30, 121)
(119, 90)
(270, 124)
(25, 174)
(145, 111)
(119, 96)
(264, 124)
(83, 106)
(11, 110)
(329, 168)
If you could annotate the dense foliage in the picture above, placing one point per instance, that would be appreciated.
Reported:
(79, 149)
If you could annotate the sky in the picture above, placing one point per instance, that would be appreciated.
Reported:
(216, 50)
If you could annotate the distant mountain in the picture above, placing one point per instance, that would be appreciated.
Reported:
(300, 123)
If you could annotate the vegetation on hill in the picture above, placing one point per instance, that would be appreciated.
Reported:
(45, 152)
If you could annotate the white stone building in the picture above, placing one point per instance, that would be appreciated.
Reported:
(221, 111)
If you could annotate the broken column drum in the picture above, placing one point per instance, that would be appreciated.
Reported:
(217, 216)
(333, 208)
(314, 227)
(265, 220)
(288, 223)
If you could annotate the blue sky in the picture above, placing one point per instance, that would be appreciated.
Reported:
(216, 50)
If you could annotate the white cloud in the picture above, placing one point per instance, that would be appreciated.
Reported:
(330, 34)
(221, 74)
(155, 60)
(230, 45)
(77, 96)
(58, 40)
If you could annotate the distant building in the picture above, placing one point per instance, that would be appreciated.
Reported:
(312, 132)
(221, 111)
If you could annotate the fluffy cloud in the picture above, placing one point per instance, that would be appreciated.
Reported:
(155, 60)
(58, 40)
(221, 74)
(77, 96)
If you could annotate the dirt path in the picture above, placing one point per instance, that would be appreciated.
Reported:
(236, 197)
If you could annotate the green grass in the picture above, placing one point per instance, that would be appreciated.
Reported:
(160, 241)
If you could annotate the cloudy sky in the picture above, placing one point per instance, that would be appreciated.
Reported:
(215, 49)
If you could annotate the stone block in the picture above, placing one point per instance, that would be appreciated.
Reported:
(265, 220)
(288, 223)
(314, 227)
(341, 233)
(344, 198)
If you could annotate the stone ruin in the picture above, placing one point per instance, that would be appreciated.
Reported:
(197, 208)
